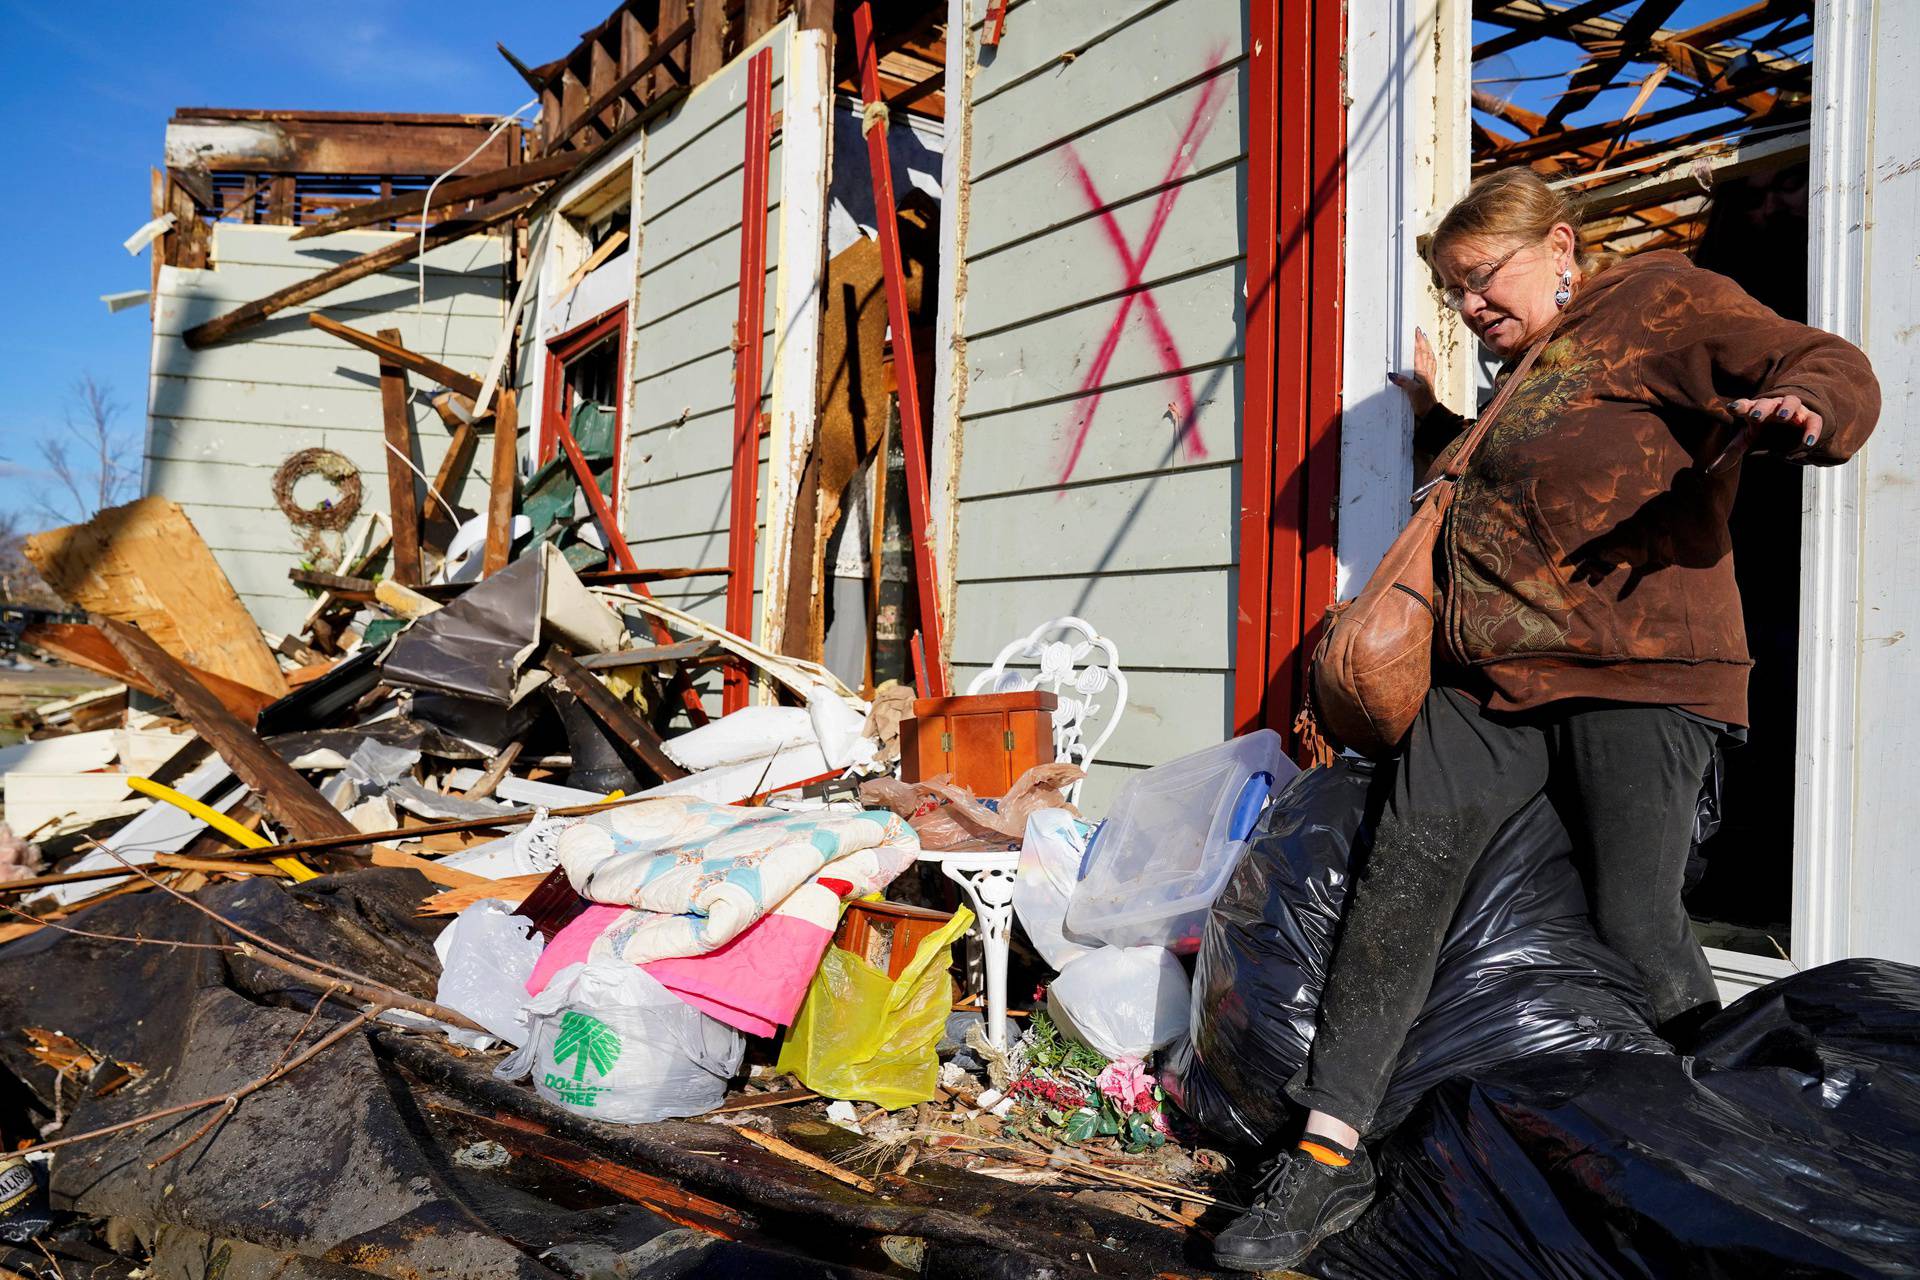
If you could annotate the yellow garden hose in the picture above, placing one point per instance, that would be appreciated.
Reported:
(222, 823)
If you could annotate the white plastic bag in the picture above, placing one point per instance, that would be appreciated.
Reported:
(1049, 864)
(486, 956)
(607, 1041)
(751, 733)
(1124, 1001)
(837, 727)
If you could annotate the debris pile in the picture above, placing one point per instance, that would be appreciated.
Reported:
(489, 863)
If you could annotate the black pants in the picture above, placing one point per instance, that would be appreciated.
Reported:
(1625, 779)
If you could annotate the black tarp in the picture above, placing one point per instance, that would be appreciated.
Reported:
(1520, 973)
(1787, 1146)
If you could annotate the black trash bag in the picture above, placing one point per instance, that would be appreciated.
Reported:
(1785, 1147)
(1520, 973)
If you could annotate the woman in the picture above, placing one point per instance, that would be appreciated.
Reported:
(1591, 639)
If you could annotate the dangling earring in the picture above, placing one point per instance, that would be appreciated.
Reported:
(1564, 294)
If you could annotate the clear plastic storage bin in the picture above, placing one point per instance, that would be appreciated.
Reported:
(1172, 837)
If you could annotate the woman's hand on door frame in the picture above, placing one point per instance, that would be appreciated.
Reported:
(1419, 383)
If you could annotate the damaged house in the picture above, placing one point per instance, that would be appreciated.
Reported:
(632, 600)
(1153, 261)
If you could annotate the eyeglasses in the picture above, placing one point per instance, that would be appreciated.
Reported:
(1478, 280)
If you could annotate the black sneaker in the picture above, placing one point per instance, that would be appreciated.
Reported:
(1297, 1203)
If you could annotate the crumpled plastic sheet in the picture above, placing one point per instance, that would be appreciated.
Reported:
(947, 816)
(1785, 1146)
(1520, 973)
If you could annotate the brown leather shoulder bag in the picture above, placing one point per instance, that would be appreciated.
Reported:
(1374, 663)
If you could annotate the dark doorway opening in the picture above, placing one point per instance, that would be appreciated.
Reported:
(1741, 885)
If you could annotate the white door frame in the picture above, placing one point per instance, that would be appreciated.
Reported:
(1830, 623)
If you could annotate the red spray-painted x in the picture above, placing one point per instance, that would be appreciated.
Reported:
(1133, 266)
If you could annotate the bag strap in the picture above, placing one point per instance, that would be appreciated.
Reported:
(1457, 466)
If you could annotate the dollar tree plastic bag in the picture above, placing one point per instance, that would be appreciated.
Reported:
(863, 1037)
(1520, 971)
(609, 1042)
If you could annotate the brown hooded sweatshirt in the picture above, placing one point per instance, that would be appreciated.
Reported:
(1586, 554)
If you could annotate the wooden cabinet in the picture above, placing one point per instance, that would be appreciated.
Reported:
(985, 740)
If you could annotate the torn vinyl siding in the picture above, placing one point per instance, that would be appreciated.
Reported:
(680, 418)
(220, 421)
(1103, 247)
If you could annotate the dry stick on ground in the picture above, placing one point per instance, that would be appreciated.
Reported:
(1066, 1163)
(319, 1046)
(786, 1150)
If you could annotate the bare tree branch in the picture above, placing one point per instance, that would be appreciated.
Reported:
(92, 463)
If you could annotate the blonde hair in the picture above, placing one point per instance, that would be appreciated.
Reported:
(1508, 204)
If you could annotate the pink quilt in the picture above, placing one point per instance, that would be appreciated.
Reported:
(755, 982)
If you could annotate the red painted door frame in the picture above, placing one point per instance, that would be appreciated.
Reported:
(556, 409)
(748, 342)
(1290, 415)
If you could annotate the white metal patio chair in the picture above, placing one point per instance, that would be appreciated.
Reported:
(1077, 664)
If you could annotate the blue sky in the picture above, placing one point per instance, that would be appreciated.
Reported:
(89, 88)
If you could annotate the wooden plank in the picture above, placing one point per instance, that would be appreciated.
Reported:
(760, 17)
(913, 421)
(361, 143)
(144, 562)
(685, 651)
(622, 720)
(454, 468)
(1038, 34)
(1126, 157)
(402, 250)
(286, 795)
(989, 614)
(456, 191)
(1176, 520)
(1132, 434)
(1051, 359)
(503, 484)
(1076, 264)
(709, 36)
(85, 647)
(749, 373)
(403, 504)
(619, 88)
(392, 351)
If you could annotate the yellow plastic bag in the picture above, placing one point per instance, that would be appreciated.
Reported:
(864, 1038)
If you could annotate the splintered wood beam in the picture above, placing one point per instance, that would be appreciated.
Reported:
(521, 70)
(912, 420)
(620, 719)
(86, 647)
(1558, 24)
(502, 483)
(748, 365)
(1792, 80)
(709, 38)
(620, 87)
(440, 526)
(390, 351)
(445, 196)
(933, 84)
(403, 504)
(285, 794)
(1593, 78)
(405, 249)
(1740, 21)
